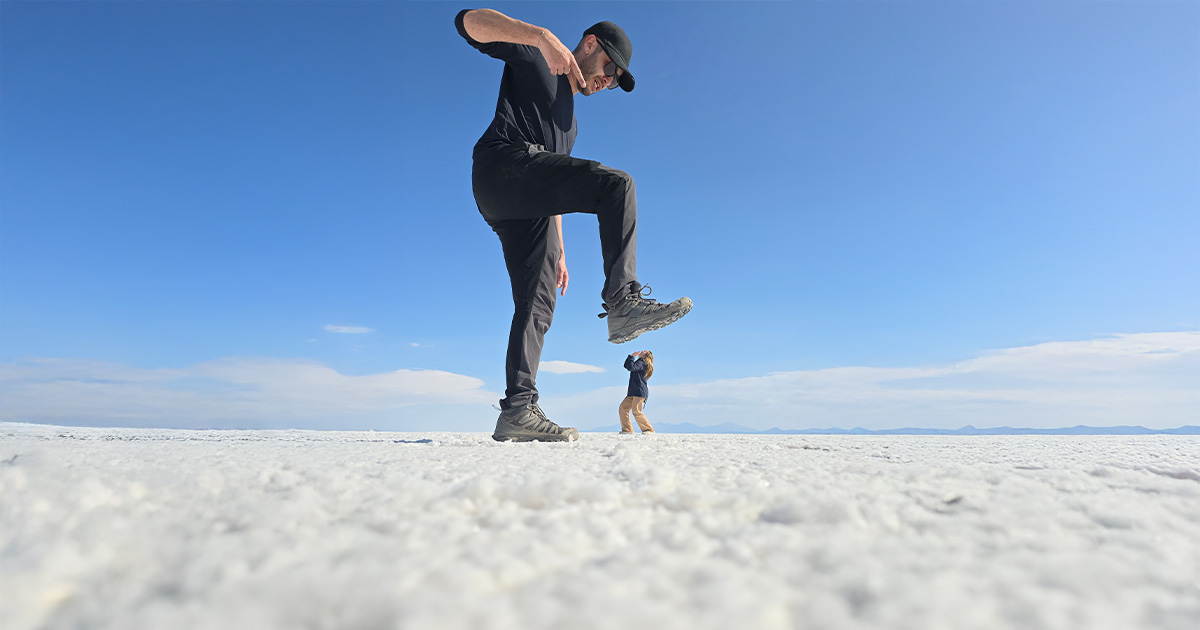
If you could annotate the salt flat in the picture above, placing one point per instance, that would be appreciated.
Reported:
(134, 528)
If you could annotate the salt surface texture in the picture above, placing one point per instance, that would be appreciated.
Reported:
(129, 529)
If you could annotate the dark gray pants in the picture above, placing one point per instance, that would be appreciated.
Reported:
(519, 190)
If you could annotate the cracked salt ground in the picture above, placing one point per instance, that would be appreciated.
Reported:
(128, 529)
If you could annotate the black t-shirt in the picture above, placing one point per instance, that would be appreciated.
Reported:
(534, 106)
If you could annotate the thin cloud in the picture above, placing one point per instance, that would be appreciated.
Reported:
(1138, 379)
(349, 330)
(566, 367)
(229, 392)
(1141, 379)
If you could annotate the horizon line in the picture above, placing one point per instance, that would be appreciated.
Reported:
(727, 429)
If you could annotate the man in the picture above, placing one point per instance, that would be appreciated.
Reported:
(524, 179)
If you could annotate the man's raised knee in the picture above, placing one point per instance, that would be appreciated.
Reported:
(617, 180)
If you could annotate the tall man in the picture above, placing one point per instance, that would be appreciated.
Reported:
(524, 179)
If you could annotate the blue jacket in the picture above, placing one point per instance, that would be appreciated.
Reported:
(637, 379)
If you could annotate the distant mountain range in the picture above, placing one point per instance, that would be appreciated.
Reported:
(728, 427)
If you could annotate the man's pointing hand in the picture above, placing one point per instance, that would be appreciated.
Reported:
(560, 59)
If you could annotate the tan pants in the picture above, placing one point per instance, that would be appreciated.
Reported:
(634, 404)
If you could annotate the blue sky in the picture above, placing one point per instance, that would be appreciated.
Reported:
(199, 199)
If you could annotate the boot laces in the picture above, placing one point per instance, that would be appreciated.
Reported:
(636, 296)
(542, 423)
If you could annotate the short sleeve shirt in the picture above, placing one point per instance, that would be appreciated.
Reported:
(534, 106)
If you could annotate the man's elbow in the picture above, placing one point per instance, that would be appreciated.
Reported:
(473, 25)
(463, 23)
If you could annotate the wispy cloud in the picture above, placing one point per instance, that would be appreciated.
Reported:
(237, 392)
(566, 367)
(1150, 379)
(349, 330)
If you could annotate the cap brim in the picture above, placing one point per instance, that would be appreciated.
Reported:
(626, 80)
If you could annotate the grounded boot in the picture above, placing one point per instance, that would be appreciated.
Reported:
(529, 423)
(635, 314)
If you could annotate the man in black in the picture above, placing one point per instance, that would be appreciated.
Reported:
(524, 179)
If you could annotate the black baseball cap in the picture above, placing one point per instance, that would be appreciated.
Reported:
(614, 41)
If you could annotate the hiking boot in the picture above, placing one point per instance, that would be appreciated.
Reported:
(529, 423)
(635, 314)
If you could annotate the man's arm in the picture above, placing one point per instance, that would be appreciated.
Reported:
(487, 25)
(562, 248)
(560, 274)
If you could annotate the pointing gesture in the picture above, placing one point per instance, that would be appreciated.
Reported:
(487, 25)
(560, 59)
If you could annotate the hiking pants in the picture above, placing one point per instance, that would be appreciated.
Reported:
(633, 404)
(519, 190)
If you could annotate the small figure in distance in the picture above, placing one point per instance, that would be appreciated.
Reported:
(641, 367)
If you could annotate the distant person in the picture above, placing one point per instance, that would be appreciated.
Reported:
(524, 179)
(641, 367)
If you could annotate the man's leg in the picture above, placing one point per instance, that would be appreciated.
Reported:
(528, 182)
(531, 254)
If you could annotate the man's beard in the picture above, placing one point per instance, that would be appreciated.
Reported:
(590, 68)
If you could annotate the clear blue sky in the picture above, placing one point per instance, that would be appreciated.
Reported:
(836, 185)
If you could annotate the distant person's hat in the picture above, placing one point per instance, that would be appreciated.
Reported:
(619, 49)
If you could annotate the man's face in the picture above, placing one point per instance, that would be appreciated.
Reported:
(592, 68)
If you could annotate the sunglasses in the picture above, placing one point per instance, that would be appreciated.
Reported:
(610, 70)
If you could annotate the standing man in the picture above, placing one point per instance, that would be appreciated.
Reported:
(524, 179)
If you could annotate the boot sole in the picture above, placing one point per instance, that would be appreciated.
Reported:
(655, 326)
(569, 437)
